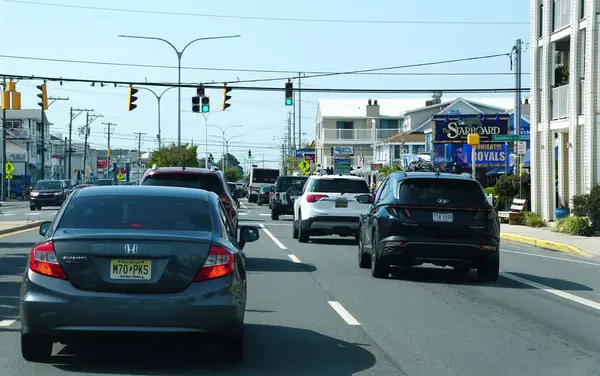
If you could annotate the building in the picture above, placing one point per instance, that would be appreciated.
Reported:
(24, 143)
(564, 86)
(58, 150)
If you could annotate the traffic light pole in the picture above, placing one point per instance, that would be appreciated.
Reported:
(43, 140)
(2, 191)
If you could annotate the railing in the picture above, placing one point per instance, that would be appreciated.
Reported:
(347, 134)
(383, 134)
(354, 161)
(562, 14)
(560, 102)
(17, 133)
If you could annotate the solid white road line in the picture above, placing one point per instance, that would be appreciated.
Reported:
(295, 259)
(344, 314)
(5, 323)
(264, 214)
(552, 257)
(243, 206)
(562, 294)
(33, 214)
(242, 213)
(273, 238)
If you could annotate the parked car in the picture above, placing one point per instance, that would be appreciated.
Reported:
(47, 193)
(435, 218)
(135, 259)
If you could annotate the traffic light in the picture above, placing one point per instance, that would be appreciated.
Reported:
(289, 93)
(200, 91)
(226, 97)
(131, 98)
(249, 154)
(196, 104)
(43, 96)
(205, 104)
(211, 159)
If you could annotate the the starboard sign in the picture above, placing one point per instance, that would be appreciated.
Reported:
(450, 129)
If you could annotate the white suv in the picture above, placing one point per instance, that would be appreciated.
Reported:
(330, 205)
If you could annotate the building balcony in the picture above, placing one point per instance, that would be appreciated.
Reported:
(355, 136)
(17, 134)
(560, 102)
(561, 14)
(354, 161)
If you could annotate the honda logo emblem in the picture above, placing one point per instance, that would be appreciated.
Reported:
(443, 200)
(131, 249)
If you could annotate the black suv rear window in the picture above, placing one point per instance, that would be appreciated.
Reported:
(339, 186)
(137, 212)
(208, 182)
(427, 192)
(283, 184)
(48, 184)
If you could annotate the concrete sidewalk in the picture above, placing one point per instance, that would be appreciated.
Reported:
(7, 227)
(545, 238)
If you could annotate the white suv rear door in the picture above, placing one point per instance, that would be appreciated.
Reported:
(337, 196)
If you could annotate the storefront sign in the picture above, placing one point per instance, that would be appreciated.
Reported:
(454, 129)
(488, 155)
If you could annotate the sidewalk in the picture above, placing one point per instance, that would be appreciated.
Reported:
(6, 227)
(545, 238)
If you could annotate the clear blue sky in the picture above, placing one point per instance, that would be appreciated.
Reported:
(91, 35)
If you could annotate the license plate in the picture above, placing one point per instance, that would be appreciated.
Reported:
(131, 269)
(341, 204)
(443, 217)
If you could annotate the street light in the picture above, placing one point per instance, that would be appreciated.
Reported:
(226, 148)
(179, 55)
(223, 131)
(158, 98)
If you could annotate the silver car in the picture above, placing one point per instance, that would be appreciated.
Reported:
(135, 259)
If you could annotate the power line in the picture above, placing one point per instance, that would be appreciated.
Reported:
(241, 70)
(255, 18)
(264, 88)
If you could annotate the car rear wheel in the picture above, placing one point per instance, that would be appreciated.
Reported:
(364, 261)
(303, 236)
(35, 348)
(378, 268)
(489, 270)
(274, 215)
(294, 230)
(32, 208)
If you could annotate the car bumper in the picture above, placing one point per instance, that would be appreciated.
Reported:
(54, 307)
(331, 225)
(402, 251)
(43, 201)
(283, 208)
(263, 198)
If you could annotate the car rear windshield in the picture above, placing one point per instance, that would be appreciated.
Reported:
(137, 212)
(42, 185)
(208, 182)
(285, 183)
(265, 188)
(429, 191)
(103, 182)
(339, 186)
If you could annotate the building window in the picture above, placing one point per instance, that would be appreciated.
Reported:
(582, 9)
(541, 21)
(345, 129)
(389, 127)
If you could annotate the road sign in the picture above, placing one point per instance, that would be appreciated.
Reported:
(119, 176)
(9, 177)
(522, 147)
(304, 165)
(9, 168)
(505, 137)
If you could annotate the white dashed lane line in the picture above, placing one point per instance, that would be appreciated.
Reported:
(344, 314)
(264, 214)
(6, 323)
(295, 259)
(275, 240)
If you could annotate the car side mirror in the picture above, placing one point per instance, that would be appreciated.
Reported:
(248, 234)
(365, 199)
(44, 228)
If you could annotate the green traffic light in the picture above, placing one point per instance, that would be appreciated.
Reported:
(288, 101)
(205, 108)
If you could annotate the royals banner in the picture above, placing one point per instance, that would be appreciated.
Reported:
(453, 129)
(487, 155)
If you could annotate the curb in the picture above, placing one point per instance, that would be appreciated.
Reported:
(21, 227)
(546, 244)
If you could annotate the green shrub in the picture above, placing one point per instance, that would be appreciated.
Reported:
(533, 220)
(573, 226)
(507, 188)
(489, 190)
(588, 206)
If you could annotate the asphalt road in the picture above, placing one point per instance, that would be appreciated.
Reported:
(19, 211)
(312, 311)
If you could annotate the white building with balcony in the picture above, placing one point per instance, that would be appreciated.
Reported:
(24, 144)
(564, 86)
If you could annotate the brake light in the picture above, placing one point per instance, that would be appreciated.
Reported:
(371, 199)
(314, 198)
(397, 210)
(224, 199)
(219, 263)
(42, 260)
(487, 213)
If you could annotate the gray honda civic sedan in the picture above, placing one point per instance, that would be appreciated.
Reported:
(135, 259)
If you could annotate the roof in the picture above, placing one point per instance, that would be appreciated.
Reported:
(26, 114)
(422, 174)
(407, 137)
(390, 107)
(143, 190)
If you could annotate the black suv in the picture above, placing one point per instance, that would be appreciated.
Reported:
(285, 192)
(48, 193)
(435, 218)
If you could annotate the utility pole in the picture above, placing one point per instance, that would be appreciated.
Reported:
(65, 158)
(139, 135)
(283, 164)
(74, 112)
(108, 151)
(263, 161)
(289, 135)
(88, 120)
(300, 110)
(517, 51)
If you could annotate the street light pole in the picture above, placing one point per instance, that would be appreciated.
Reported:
(223, 133)
(158, 98)
(179, 56)
(226, 148)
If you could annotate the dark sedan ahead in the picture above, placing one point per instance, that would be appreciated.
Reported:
(47, 193)
(135, 259)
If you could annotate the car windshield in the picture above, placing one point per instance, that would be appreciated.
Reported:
(208, 182)
(339, 186)
(136, 212)
(68, 183)
(429, 191)
(286, 183)
(43, 185)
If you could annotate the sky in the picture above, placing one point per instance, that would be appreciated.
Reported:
(311, 36)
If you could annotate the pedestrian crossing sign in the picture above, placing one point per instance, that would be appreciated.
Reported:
(304, 165)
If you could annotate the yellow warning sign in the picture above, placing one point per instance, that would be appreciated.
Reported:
(304, 165)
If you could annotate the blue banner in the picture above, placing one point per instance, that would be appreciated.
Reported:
(487, 155)
(450, 129)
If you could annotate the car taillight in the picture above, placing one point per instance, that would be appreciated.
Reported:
(42, 260)
(485, 213)
(224, 200)
(371, 199)
(396, 211)
(219, 263)
(314, 198)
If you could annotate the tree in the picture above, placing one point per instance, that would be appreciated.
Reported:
(292, 163)
(175, 156)
(230, 161)
(233, 174)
